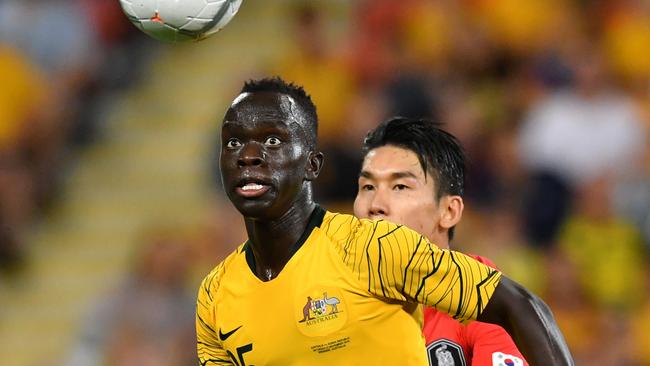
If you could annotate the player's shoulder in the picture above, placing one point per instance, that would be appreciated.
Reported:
(484, 260)
(333, 220)
(338, 226)
(335, 223)
(212, 280)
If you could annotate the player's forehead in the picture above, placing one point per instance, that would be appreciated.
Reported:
(264, 107)
(389, 161)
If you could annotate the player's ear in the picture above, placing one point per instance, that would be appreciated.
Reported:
(451, 211)
(314, 165)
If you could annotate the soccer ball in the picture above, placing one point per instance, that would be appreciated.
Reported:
(180, 20)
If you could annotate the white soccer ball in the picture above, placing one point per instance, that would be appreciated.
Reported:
(180, 20)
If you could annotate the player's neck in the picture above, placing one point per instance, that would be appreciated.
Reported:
(272, 241)
(440, 241)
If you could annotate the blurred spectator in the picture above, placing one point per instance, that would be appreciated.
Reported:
(632, 195)
(375, 24)
(111, 26)
(17, 206)
(409, 94)
(521, 27)
(343, 154)
(322, 69)
(59, 38)
(54, 78)
(626, 27)
(24, 100)
(148, 319)
(606, 250)
(221, 232)
(586, 327)
(546, 204)
(495, 175)
(11, 248)
(564, 132)
(54, 33)
(318, 66)
(24, 94)
(121, 48)
(80, 46)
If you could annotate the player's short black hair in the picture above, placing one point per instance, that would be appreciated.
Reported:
(278, 85)
(439, 152)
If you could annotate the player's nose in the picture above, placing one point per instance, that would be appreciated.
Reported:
(251, 155)
(378, 206)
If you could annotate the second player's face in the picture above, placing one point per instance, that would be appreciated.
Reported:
(392, 186)
(263, 154)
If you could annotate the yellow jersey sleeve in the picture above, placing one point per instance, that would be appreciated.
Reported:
(209, 348)
(400, 264)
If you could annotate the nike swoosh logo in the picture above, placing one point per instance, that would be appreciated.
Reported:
(224, 336)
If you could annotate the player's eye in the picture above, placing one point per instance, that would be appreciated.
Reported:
(233, 143)
(272, 141)
(400, 187)
(367, 187)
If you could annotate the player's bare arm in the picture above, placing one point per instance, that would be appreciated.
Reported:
(530, 323)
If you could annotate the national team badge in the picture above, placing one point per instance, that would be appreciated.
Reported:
(445, 353)
(502, 359)
(321, 313)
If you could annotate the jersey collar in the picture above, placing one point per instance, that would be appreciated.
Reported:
(315, 220)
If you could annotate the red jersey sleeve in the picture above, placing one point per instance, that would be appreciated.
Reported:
(492, 345)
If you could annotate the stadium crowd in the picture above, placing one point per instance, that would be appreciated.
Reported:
(551, 99)
(60, 61)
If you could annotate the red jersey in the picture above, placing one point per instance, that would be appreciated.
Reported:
(450, 343)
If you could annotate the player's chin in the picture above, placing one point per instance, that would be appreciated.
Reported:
(259, 207)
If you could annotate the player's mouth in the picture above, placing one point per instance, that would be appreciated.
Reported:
(252, 189)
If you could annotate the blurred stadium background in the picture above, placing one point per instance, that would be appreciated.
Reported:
(110, 206)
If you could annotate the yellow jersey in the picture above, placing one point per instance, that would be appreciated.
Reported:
(346, 297)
